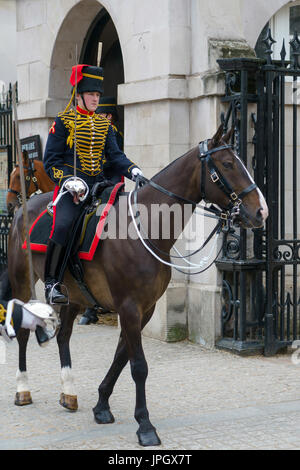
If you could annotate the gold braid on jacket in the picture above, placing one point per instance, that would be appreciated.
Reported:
(91, 132)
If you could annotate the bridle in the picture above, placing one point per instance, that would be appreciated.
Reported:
(217, 178)
(28, 178)
(225, 216)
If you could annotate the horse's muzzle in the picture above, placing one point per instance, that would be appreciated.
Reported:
(242, 218)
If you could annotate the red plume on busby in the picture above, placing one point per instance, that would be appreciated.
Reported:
(89, 78)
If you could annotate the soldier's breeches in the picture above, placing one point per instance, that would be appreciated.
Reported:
(65, 215)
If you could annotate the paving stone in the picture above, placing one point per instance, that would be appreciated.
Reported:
(197, 398)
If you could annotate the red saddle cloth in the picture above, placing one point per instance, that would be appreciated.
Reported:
(93, 225)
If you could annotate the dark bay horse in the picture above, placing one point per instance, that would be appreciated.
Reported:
(126, 278)
(35, 179)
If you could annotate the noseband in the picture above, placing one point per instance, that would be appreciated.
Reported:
(217, 178)
(28, 178)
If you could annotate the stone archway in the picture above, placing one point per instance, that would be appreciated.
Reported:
(87, 23)
(103, 30)
(254, 16)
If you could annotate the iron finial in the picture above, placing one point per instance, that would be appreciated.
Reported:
(269, 41)
(295, 45)
(283, 53)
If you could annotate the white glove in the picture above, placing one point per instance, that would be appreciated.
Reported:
(135, 172)
(77, 188)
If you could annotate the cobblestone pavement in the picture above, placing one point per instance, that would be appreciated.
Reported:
(197, 399)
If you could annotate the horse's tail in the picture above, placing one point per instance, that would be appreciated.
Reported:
(5, 286)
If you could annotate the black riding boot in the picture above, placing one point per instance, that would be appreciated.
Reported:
(89, 316)
(54, 260)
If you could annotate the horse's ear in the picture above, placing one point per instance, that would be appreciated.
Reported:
(226, 137)
(25, 157)
(217, 137)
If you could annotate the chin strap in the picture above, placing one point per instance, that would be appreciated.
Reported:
(82, 97)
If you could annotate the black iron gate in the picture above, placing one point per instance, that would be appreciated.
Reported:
(261, 303)
(7, 160)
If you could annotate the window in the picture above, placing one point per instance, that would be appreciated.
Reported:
(283, 26)
(294, 19)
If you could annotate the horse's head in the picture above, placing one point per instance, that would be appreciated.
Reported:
(14, 198)
(227, 182)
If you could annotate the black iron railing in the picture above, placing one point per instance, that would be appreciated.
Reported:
(7, 160)
(261, 303)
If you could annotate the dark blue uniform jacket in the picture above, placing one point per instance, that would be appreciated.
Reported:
(95, 144)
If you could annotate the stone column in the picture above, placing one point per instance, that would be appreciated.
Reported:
(157, 120)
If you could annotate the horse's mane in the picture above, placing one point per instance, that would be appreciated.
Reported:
(172, 163)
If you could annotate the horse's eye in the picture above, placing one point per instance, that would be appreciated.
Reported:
(228, 165)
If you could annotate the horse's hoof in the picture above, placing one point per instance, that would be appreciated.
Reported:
(148, 438)
(104, 417)
(69, 402)
(23, 398)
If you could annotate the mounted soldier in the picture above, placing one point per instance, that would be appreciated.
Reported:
(78, 144)
(107, 108)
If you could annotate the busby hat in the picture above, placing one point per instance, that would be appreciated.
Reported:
(89, 78)
(108, 105)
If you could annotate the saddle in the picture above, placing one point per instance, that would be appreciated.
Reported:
(89, 226)
(86, 233)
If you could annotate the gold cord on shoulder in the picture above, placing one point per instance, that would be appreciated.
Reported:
(2, 313)
(70, 102)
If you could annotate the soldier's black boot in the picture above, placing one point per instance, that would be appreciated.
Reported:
(54, 260)
(89, 316)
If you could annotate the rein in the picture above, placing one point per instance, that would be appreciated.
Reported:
(179, 268)
(225, 217)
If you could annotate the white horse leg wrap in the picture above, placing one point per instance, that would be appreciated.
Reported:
(67, 381)
(22, 381)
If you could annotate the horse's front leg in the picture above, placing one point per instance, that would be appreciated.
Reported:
(23, 396)
(130, 319)
(68, 397)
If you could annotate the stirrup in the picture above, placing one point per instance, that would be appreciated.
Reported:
(49, 295)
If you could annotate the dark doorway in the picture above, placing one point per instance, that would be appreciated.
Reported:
(103, 30)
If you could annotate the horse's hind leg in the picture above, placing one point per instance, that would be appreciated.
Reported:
(23, 396)
(102, 411)
(21, 290)
(68, 397)
(131, 328)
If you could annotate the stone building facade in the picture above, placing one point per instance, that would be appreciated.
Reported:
(159, 58)
(8, 48)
